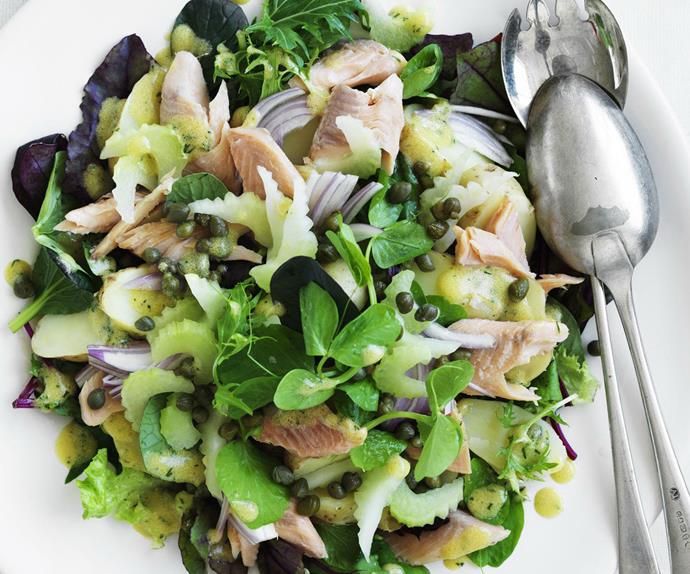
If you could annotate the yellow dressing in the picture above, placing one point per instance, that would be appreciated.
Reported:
(108, 118)
(15, 269)
(96, 180)
(75, 445)
(164, 516)
(454, 564)
(548, 503)
(164, 57)
(149, 302)
(183, 39)
(468, 541)
(565, 474)
(194, 133)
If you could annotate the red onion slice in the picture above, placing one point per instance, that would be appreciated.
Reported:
(120, 361)
(150, 282)
(329, 193)
(283, 113)
(355, 204)
(484, 113)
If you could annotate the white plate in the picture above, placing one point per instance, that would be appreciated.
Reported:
(49, 50)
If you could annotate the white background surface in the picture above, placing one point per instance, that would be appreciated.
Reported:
(41, 532)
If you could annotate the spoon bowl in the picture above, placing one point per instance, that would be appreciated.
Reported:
(577, 129)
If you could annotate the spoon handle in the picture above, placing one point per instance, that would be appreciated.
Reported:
(675, 495)
(635, 550)
(614, 268)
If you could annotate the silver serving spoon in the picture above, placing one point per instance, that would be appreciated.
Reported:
(593, 47)
(597, 208)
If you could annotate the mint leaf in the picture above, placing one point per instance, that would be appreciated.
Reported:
(363, 393)
(301, 389)
(378, 447)
(447, 381)
(399, 243)
(195, 187)
(364, 340)
(441, 448)
(244, 476)
(319, 319)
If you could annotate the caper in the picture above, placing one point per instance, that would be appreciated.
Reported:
(380, 288)
(186, 368)
(299, 488)
(411, 481)
(437, 229)
(405, 302)
(200, 414)
(326, 253)
(96, 399)
(518, 289)
(228, 430)
(417, 442)
(185, 402)
(283, 475)
(309, 505)
(426, 181)
(185, 230)
(336, 490)
(461, 355)
(220, 247)
(202, 246)
(151, 255)
(421, 488)
(425, 263)
(438, 210)
(198, 263)
(176, 212)
(252, 421)
(202, 219)
(145, 323)
(16, 269)
(167, 265)
(426, 312)
(594, 348)
(170, 285)
(214, 276)
(400, 192)
(386, 404)
(238, 116)
(332, 223)
(500, 126)
(452, 208)
(222, 268)
(421, 168)
(433, 481)
(23, 287)
(351, 481)
(217, 226)
(405, 431)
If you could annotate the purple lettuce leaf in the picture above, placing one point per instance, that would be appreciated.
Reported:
(31, 171)
(123, 67)
(480, 78)
(451, 46)
(279, 557)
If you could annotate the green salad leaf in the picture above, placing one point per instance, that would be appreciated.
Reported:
(129, 496)
(61, 289)
(378, 447)
(399, 243)
(195, 187)
(364, 340)
(497, 554)
(441, 447)
(302, 389)
(319, 319)
(422, 71)
(244, 476)
(447, 381)
(363, 393)
(345, 243)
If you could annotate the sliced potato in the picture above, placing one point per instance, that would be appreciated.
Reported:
(126, 306)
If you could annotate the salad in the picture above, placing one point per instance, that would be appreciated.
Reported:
(291, 298)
